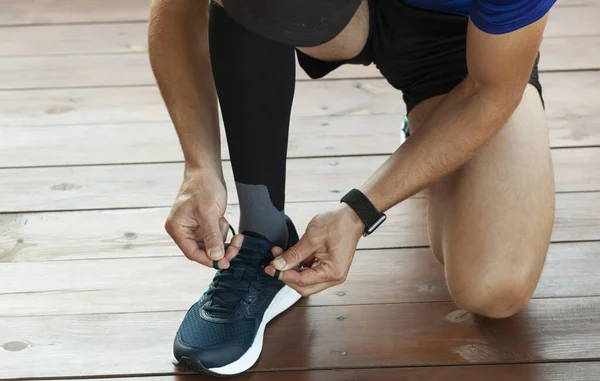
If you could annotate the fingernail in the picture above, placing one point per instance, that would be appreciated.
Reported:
(279, 263)
(215, 253)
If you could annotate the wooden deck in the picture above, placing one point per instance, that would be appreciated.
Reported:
(91, 286)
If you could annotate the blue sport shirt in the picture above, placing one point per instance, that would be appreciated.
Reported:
(491, 16)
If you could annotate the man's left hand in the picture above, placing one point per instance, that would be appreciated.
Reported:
(326, 250)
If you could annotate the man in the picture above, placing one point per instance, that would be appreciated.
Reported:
(479, 146)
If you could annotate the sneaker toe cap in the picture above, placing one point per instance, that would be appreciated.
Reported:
(207, 358)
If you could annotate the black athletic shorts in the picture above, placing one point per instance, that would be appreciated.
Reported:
(420, 52)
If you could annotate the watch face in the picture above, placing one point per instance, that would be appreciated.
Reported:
(374, 227)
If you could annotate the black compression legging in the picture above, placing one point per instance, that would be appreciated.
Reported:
(255, 80)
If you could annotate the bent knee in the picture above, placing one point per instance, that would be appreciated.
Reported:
(498, 298)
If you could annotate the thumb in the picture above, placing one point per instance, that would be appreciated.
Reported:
(213, 240)
(295, 255)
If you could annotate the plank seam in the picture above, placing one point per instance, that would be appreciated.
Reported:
(76, 23)
(297, 80)
(230, 204)
(293, 307)
(295, 369)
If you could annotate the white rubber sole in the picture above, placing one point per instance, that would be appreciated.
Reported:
(285, 298)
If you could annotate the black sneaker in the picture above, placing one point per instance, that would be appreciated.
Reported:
(222, 334)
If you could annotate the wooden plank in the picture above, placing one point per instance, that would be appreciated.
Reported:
(573, 21)
(570, 53)
(571, 107)
(74, 39)
(120, 286)
(576, 3)
(152, 185)
(157, 141)
(569, 96)
(338, 337)
(31, 12)
(584, 371)
(144, 104)
(140, 233)
(570, 100)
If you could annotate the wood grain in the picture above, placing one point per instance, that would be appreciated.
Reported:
(573, 21)
(570, 53)
(125, 285)
(573, 117)
(91, 128)
(152, 185)
(576, 3)
(570, 102)
(78, 39)
(315, 337)
(144, 104)
(27, 12)
(585, 371)
(140, 233)
(157, 141)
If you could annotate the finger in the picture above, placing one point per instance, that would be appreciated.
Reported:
(221, 264)
(224, 226)
(295, 254)
(234, 246)
(277, 251)
(311, 290)
(310, 261)
(213, 239)
(191, 249)
(306, 277)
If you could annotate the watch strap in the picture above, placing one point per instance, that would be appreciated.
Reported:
(365, 210)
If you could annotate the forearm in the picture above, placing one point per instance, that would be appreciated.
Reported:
(179, 55)
(467, 119)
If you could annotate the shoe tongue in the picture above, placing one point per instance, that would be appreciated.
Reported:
(255, 244)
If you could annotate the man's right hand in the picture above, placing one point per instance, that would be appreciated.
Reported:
(197, 223)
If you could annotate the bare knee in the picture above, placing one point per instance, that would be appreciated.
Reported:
(348, 43)
(494, 297)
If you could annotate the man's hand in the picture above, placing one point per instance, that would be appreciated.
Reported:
(197, 223)
(326, 250)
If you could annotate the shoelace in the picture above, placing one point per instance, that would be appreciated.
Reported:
(232, 284)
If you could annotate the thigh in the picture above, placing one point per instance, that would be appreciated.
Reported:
(490, 221)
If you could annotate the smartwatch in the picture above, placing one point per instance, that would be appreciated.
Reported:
(365, 210)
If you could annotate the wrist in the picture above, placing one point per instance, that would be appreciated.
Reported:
(194, 171)
(364, 209)
(203, 166)
(349, 215)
